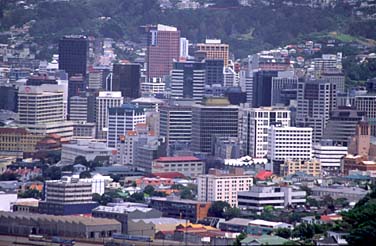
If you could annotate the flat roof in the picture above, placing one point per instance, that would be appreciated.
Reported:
(177, 159)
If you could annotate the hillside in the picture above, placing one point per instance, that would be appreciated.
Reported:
(246, 29)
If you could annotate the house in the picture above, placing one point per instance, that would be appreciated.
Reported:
(263, 240)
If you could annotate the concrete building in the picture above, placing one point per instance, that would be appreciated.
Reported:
(162, 49)
(121, 120)
(367, 104)
(188, 165)
(176, 123)
(316, 99)
(78, 108)
(104, 101)
(91, 150)
(329, 155)
(342, 125)
(124, 214)
(22, 224)
(153, 86)
(215, 117)
(359, 163)
(276, 196)
(16, 141)
(66, 197)
(255, 123)
(219, 186)
(309, 167)
(213, 49)
(7, 200)
(352, 194)
(83, 130)
(147, 150)
(98, 182)
(188, 80)
(284, 88)
(151, 226)
(180, 208)
(289, 143)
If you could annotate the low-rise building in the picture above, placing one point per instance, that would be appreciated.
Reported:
(180, 208)
(23, 224)
(151, 226)
(88, 149)
(352, 194)
(360, 163)
(7, 199)
(16, 141)
(124, 214)
(260, 196)
(26, 205)
(235, 225)
(311, 167)
(261, 227)
(220, 186)
(329, 155)
(188, 165)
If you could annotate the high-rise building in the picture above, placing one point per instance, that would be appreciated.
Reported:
(342, 125)
(126, 78)
(329, 155)
(316, 99)
(184, 48)
(289, 143)
(262, 88)
(188, 80)
(284, 88)
(176, 123)
(219, 186)
(162, 49)
(41, 110)
(73, 54)
(78, 108)
(122, 119)
(76, 85)
(213, 49)
(255, 123)
(214, 117)
(336, 77)
(104, 101)
(9, 98)
(367, 104)
(147, 150)
(214, 71)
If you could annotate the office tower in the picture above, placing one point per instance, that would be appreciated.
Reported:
(214, 117)
(96, 79)
(316, 99)
(367, 104)
(41, 110)
(76, 85)
(147, 150)
(336, 77)
(67, 196)
(289, 143)
(213, 49)
(153, 86)
(162, 49)
(284, 88)
(342, 125)
(262, 88)
(184, 47)
(104, 101)
(188, 80)
(272, 60)
(214, 72)
(78, 108)
(73, 54)
(176, 124)
(255, 123)
(126, 78)
(122, 119)
(230, 77)
(221, 186)
(329, 155)
(328, 62)
(9, 98)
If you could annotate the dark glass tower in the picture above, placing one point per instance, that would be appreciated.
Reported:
(73, 54)
(262, 88)
(126, 78)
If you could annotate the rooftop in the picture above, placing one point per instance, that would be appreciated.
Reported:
(177, 159)
(161, 221)
(122, 209)
(237, 221)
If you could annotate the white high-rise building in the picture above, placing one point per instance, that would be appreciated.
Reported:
(41, 110)
(104, 101)
(121, 120)
(289, 143)
(217, 186)
(184, 46)
(329, 155)
(255, 123)
(188, 80)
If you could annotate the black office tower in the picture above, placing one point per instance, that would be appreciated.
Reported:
(126, 78)
(262, 88)
(73, 54)
(214, 72)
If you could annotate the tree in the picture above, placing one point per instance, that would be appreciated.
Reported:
(218, 208)
(239, 238)
(52, 173)
(137, 197)
(283, 232)
(85, 175)
(149, 190)
(231, 213)
(30, 193)
(304, 231)
(186, 194)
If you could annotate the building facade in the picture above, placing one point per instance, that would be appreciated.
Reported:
(188, 165)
